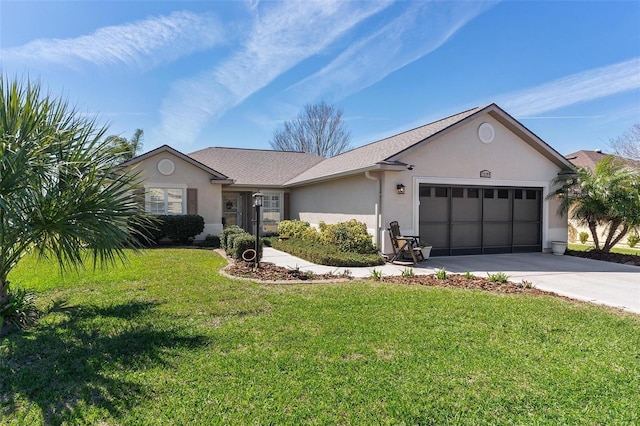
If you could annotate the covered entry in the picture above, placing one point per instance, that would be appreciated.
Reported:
(458, 220)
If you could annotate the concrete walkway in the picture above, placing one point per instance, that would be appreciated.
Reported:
(605, 283)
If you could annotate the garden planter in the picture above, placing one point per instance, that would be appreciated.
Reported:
(558, 247)
(426, 252)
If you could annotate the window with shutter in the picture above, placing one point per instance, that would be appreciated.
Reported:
(192, 200)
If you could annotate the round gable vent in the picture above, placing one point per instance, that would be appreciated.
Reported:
(486, 132)
(166, 166)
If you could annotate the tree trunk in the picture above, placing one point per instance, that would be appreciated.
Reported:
(593, 227)
(4, 291)
(611, 240)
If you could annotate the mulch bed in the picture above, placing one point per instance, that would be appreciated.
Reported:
(627, 259)
(277, 274)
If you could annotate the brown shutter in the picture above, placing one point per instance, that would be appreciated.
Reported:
(192, 200)
(285, 207)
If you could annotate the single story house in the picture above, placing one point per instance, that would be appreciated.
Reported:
(472, 183)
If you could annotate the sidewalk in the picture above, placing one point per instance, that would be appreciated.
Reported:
(286, 260)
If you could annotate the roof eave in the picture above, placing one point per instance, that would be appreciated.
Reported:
(381, 166)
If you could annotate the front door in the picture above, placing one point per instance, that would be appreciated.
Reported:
(233, 205)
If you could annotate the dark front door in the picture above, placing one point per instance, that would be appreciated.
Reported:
(459, 220)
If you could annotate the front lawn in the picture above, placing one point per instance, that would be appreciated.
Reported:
(168, 340)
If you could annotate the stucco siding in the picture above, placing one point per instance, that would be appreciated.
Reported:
(355, 197)
(188, 176)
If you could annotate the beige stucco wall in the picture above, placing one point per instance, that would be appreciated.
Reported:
(457, 158)
(188, 176)
(336, 201)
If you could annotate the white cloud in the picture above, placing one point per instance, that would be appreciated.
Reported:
(573, 89)
(283, 34)
(421, 28)
(145, 44)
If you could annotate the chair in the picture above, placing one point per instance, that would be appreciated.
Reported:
(404, 246)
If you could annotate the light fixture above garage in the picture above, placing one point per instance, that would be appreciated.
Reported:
(400, 188)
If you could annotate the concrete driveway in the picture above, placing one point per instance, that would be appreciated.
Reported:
(594, 281)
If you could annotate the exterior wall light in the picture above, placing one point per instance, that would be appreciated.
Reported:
(400, 188)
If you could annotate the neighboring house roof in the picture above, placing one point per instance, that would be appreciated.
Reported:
(589, 159)
(166, 148)
(257, 167)
(385, 152)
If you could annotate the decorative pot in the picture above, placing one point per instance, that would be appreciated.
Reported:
(426, 252)
(558, 247)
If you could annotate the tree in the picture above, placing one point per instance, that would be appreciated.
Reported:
(628, 144)
(318, 129)
(608, 196)
(125, 149)
(60, 193)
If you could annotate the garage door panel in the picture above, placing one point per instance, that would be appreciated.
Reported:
(468, 220)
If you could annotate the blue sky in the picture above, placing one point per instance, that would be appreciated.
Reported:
(194, 74)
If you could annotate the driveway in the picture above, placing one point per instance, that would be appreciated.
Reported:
(594, 281)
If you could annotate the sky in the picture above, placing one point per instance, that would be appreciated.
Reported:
(194, 74)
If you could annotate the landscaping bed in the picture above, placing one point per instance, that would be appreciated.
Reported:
(627, 259)
(269, 272)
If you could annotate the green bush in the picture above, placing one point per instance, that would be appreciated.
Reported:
(632, 240)
(182, 228)
(351, 236)
(584, 236)
(224, 237)
(231, 240)
(325, 254)
(18, 311)
(292, 228)
(178, 228)
(243, 242)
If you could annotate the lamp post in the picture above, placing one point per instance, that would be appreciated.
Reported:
(257, 203)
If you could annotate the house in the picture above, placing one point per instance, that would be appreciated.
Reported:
(589, 159)
(475, 182)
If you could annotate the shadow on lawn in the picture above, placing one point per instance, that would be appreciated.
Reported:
(81, 357)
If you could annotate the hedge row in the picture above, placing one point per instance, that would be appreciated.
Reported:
(347, 237)
(178, 228)
(324, 254)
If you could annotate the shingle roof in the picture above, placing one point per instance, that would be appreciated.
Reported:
(256, 167)
(377, 152)
(589, 159)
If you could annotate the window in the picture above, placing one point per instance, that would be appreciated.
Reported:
(473, 193)
(164, 201)
(271, 207)
(442, 192)
(503, 193)
(457, 192)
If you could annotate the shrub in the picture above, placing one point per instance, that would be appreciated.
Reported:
(324, 254)
(441, 274)
(498, 277)
(211, 241)
(147, 234)
(351, 236)
(632, 240)
(584, 236)
(182, 228)
(293, 228)
(233, 229)
(231, 240)
(572, 233)
(19, 310)
(243, 242)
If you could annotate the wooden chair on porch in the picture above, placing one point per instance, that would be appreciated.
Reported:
(406, 248)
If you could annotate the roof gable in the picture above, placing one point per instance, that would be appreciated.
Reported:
(387, 151)
(166, 148)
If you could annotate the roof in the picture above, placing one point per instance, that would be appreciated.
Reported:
(589, 159)
(257, 167)
(385, 152)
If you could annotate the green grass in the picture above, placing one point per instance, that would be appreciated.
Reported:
(167, 340)
(584, 247)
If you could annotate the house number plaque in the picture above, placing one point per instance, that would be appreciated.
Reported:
(485, 174)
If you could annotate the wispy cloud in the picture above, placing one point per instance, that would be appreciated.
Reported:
(418, 30)
(581, 87)
(144, 44)
(283, 34)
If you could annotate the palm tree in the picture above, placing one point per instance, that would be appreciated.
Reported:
(60, 194)
(608, 196)
(125, 149)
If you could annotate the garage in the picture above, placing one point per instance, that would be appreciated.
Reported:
(461, 220)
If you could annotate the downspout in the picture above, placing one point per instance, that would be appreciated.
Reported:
(378, 209)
